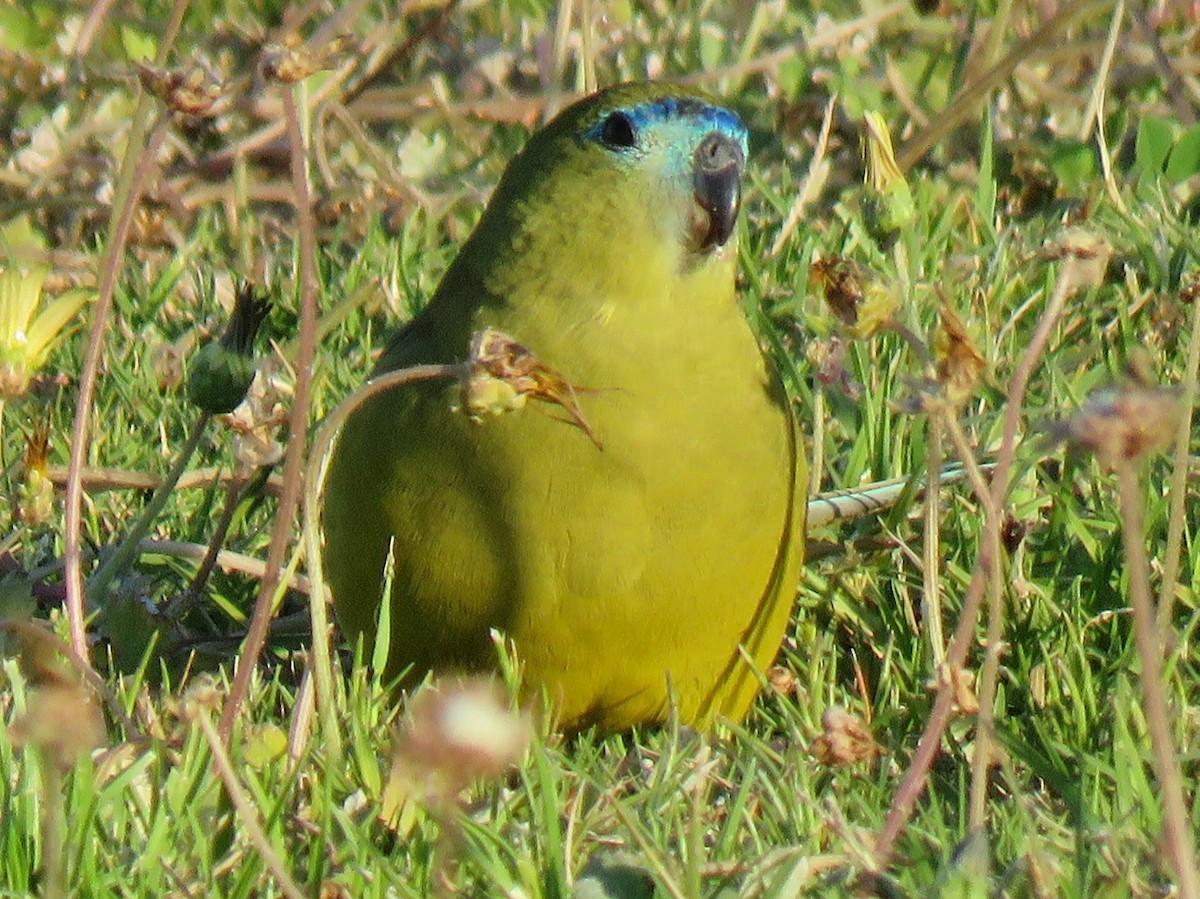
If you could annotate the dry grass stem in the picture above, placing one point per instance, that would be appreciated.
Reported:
(293, 465)
(130, 183)
(913, 783)
(931, 591)
(1177, 825)
(226, 560)
(1190, 292)
(247, 813)
(324, 444)
(968, 99)
(97, 480)
(814, 181)
(1100, 82)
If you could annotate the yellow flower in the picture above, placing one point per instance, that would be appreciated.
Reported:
(890, 207)
(25, 338)
(883, 174)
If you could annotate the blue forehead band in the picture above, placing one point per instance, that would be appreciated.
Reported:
(715, 118)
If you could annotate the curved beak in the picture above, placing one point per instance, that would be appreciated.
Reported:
(719, 163)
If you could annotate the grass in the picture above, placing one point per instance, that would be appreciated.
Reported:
(1015, 203)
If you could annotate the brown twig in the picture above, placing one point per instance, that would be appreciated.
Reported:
(129, 190)
(985, 730)
(185, 600)
(321, 656)
(97, 480)
(913, 782)
(1176, 89)
(1177, 823)
(293, 466)
(391, 60)
(966, 101)
(220, 163)
(244, 806)
(226, 560)
(91, 27)
(87, 379)
(1179, 479)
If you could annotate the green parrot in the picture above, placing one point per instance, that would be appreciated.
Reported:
(648, 561)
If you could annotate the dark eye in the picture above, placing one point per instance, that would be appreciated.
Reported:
(617, 132)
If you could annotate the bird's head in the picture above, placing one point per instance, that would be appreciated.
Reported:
(627, 186)
(685, 156)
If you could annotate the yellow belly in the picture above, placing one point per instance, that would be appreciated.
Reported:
(627, 575)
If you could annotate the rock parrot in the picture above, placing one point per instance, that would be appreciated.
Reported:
(645, 562)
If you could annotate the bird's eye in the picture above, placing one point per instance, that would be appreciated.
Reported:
(617, 132)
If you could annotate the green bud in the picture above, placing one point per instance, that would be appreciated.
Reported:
(221, 372)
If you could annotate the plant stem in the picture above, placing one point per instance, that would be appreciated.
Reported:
(314, 490)
(127, 197)
(129, 189)
(1175, 812)
(247, 813)
(130, 546)
(187, 598)
(293, 465)
(1179, 481)
(931, 596)
(913, 783)
(54, 840)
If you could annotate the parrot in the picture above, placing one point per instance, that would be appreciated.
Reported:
(643, 553)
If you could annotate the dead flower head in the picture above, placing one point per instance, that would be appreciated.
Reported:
(959, 364)
(203, 696)
(61, 718)
(844, 739)
(1084, 255)
(62, 721)
(35, 493)
(1125, 423)
(962, 682)
(782, 679)
(504, 374)
(1189, 287)
(827, 361)
(456, 732)
(859, 298)
(257, 420)
(192, 92)
(292, 61)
